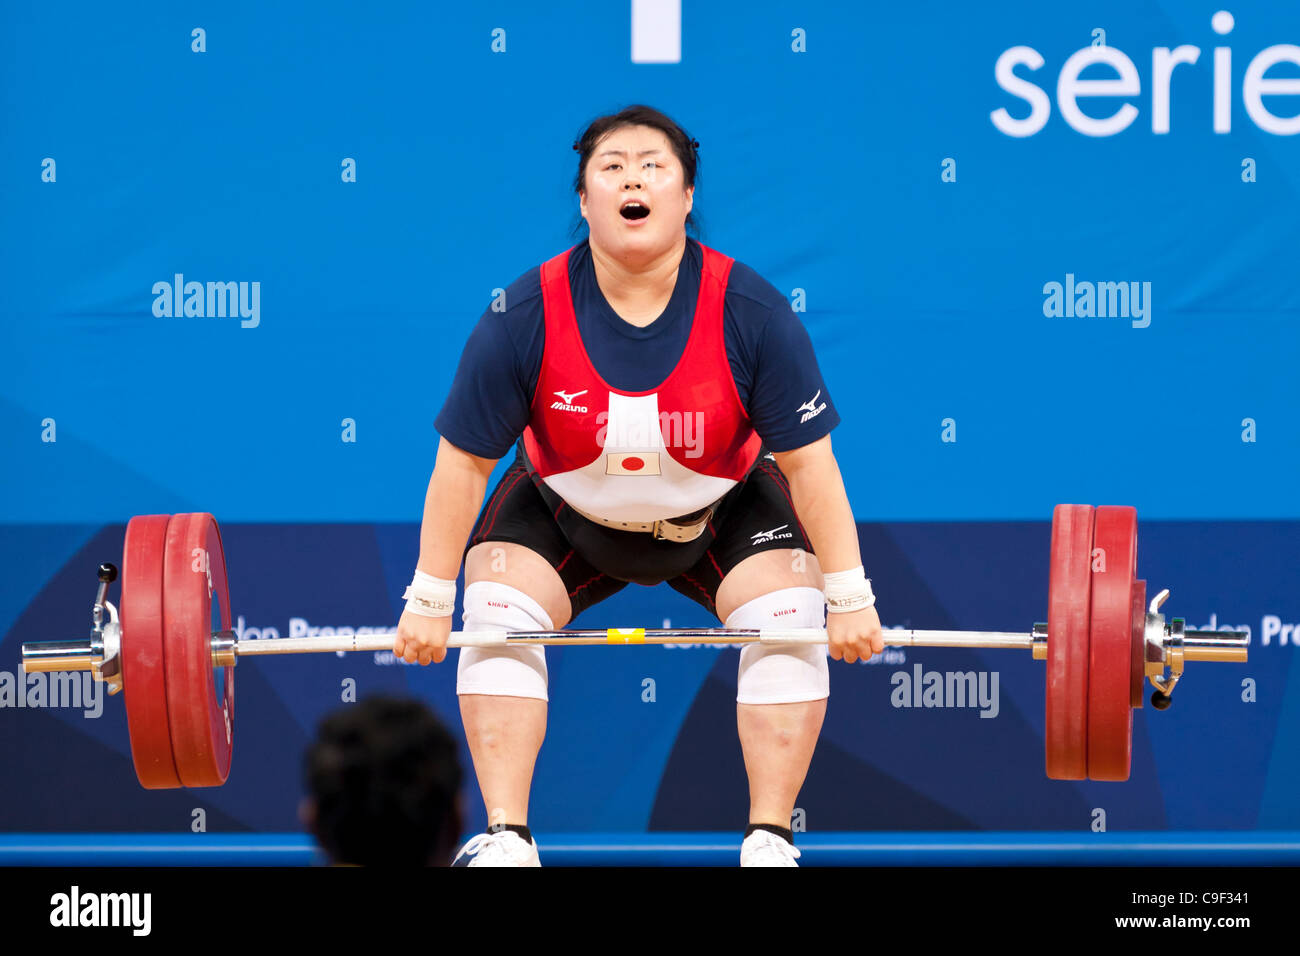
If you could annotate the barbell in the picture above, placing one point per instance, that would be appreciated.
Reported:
(173, 650)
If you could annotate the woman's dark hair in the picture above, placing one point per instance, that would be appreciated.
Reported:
(686, 149)
(384, 774)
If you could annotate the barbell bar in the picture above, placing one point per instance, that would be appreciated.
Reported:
(57, 656)
(172, 643)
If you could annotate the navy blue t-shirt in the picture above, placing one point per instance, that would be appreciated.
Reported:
(768, 349)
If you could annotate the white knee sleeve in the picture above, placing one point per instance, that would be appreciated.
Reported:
(502, 671)
(782, 673)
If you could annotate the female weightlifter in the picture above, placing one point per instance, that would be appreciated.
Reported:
(672, 425)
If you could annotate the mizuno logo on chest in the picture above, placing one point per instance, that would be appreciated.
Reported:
(565, 404)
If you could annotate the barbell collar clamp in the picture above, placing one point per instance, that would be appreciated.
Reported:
(223, 649)
(1168, 646)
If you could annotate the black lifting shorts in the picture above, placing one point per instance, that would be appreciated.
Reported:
(595, 562)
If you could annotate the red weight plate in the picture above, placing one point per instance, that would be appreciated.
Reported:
(144, 678)
(1139, 663)
(1110, 677)
(1068, 613)
(200, 698)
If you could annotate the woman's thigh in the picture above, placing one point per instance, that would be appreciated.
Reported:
(765, 572)
(520, 567)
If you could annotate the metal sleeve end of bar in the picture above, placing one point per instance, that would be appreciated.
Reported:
(51, 656)
(1228, 647)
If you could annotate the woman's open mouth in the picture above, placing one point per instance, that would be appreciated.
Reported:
(634, 212)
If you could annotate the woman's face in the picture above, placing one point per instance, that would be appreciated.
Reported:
(635, 163)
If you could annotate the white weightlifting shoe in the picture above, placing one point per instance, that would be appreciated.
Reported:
(765, 848)
(504, 848)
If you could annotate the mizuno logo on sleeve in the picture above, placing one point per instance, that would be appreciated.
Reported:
(810, 408)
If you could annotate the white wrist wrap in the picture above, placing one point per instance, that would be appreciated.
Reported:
(430, 596)
(848, 591)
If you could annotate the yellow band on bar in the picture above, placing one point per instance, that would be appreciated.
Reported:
(625, 635)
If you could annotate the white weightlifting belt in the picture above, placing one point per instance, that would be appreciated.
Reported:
(665, 528)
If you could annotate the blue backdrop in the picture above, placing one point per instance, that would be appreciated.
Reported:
(367, 176)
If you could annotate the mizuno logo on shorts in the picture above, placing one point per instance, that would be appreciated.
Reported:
(566, 401)
(772, 535)
(810, 408)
